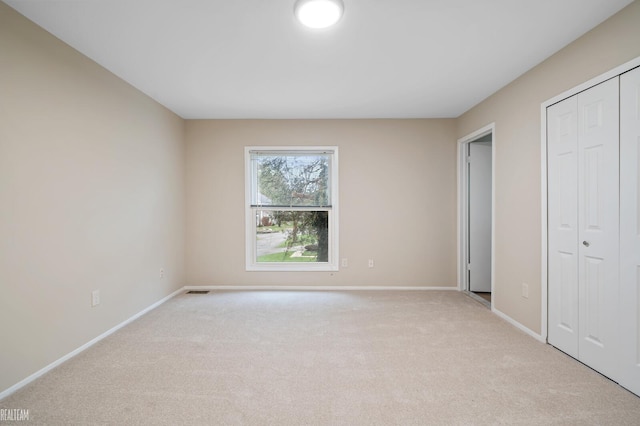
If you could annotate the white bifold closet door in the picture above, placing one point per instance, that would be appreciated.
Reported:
(599, 226)
(583, 219)
(562, 220)
(630, 230)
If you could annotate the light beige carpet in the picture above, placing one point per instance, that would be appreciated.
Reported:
(323, 358)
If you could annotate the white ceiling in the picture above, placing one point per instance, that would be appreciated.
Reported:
(384, 59)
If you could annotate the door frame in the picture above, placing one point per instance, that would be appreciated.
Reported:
(544, 272)
(463, 205)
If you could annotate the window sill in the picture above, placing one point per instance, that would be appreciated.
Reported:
(288, 267)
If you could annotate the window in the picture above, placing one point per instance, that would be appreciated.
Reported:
(291, 208)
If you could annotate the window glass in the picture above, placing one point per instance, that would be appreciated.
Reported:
(292, 236)
(291, 179)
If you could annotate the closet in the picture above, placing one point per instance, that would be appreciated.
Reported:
(593, 222)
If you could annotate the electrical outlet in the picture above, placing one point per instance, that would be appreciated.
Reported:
(345, 262)
(370, 263)
(95, 298)
(525, 290)
(161, 273)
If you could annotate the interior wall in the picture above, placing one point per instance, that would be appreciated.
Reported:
(397, 200)
(515, 110)
(91, 198)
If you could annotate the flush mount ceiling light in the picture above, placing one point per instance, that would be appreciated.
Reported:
(318, 13)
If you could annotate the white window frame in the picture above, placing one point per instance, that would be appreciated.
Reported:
(250, 222)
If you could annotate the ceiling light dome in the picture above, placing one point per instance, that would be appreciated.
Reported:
(318, 13)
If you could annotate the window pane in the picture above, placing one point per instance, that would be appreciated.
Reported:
(291, 179)
(292, 236)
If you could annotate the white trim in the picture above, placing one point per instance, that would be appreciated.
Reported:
(462, 215)
(519, 326)
(313, 288)
(621, 69)
(544, 284)
(462, 203)
(82, 348)
(333, 264)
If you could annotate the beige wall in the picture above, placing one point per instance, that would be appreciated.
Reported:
(516, 111)
(397, 200)
(91, 197)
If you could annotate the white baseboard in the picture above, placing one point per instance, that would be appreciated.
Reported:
(310, 288)
(87, 345)
(519, 326)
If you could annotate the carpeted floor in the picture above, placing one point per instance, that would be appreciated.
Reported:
(323, 358)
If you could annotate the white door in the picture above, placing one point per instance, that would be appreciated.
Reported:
(598, 226)
(583, 222)
(562, 171)
(480, 216)
(630, 230)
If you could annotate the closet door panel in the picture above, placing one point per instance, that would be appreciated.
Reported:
(630, 230)
(598, 230)
(562, 169)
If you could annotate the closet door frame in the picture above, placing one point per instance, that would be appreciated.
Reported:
(630, 227)
(543, 162)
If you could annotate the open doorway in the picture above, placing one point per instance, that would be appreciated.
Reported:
(475, 174)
